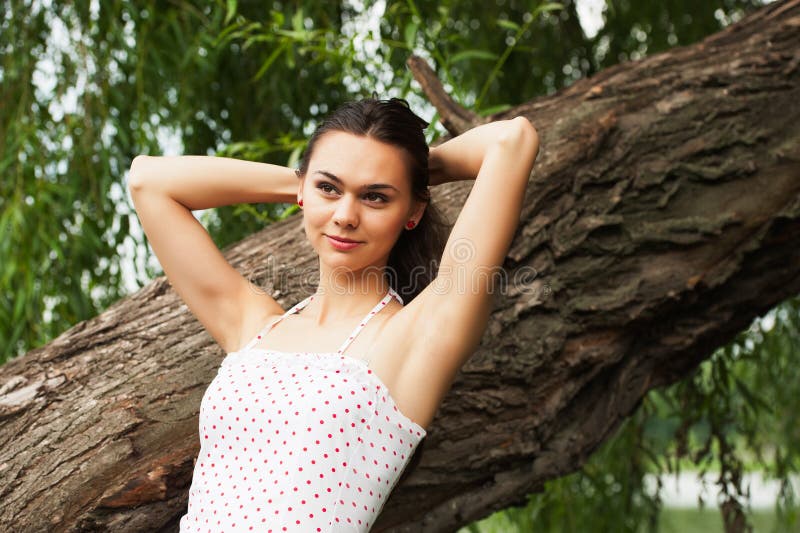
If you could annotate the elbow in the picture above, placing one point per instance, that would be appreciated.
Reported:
(137, 172)
(526, 127)
(526, 132)
(522, 135)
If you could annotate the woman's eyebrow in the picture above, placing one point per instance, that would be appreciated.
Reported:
(369, 187)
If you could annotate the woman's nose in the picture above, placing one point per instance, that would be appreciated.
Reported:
(346, 212)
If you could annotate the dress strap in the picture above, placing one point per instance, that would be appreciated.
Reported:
(299, 305)
(375, 310)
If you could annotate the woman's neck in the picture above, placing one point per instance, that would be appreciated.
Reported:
(343, 296)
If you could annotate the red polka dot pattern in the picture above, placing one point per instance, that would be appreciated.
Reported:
(297, 441)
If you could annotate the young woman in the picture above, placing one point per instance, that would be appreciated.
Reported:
(316, 410)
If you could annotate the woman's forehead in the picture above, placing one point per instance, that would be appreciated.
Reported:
(358, 158)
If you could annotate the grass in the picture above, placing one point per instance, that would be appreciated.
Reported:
(709, 520)
(671, 520)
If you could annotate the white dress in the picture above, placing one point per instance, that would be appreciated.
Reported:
(297, 441)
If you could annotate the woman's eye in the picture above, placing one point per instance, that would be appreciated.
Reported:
(376, 197)
(370, 196)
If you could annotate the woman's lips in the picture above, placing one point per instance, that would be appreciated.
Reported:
(341, 245)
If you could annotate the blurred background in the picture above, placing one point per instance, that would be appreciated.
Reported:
(87, 85)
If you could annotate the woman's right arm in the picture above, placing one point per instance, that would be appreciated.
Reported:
(165, 191)
(201, 182)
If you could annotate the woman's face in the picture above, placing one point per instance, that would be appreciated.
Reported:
(356, 188)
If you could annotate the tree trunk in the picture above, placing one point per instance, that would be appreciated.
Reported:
(661, 218)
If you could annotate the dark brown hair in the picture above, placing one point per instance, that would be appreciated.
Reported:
(415, 257)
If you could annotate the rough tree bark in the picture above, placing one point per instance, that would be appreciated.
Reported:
(661, 218)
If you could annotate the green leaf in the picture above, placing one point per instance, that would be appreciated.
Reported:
(410, 34)
(19, 305)
(269, 61)
(551, 6)
(494, 109)
(297, 21)
(473, 54)
(277, 18)
(300, 35)
(8, 273)
(231, 11)
(394, 44)
(508, 24)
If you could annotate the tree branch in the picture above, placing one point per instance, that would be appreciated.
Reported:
(453, 117)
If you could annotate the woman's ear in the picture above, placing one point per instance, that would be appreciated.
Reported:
(416, 215)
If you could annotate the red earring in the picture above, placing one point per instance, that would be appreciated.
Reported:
(410, 224)
(300, 202)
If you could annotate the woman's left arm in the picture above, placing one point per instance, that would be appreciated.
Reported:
(453, 310)
(460, 158)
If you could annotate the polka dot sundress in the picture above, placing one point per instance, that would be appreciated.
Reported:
(297, 441)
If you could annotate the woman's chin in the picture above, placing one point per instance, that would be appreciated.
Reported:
(336, 258)
(345, 261)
